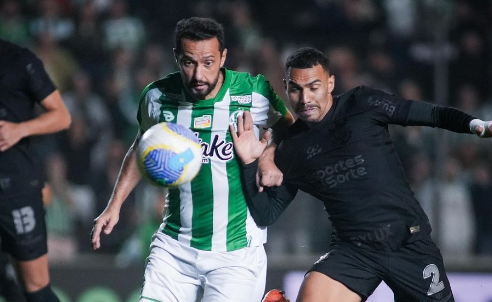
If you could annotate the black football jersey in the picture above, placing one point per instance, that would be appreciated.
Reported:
(349, 162)
(23, 82)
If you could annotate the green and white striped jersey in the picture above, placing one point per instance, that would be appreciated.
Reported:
(210, 213)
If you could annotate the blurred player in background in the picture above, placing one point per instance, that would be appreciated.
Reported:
(339, 150)
(23, 84)
(208, 245)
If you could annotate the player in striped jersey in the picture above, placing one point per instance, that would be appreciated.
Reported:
(208, 245)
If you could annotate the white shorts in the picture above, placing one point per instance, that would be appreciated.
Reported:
(179, 273)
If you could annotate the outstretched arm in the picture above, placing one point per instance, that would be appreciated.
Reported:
(128, 178)
(265, 207)
(449, 118)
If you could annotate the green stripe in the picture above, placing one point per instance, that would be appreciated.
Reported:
(236, 228)
(202, 191)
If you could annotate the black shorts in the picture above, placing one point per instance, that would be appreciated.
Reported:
(22, 226)
(414, 273)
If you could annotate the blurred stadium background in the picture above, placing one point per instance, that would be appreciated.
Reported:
(101, 53)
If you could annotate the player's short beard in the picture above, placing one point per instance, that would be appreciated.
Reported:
(201, 96)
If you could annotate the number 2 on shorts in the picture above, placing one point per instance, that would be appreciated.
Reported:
(436, 286)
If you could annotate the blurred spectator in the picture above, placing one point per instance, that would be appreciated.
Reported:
(456, 222)
(473, 62)
(481, 192)
(103, 183)
(59, 62)
(423, 184)
(345, 65)
(83, 101)
(122, 30)
(13, 24)
(136, 248)
(88, 44)
(62, 245)
(158, 60)
(51, 21)
(410, 140)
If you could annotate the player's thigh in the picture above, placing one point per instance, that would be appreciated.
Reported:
(418, 274)
(317, 287)
(170, 275)
(238, 276)
(22, 226)
(348, 270)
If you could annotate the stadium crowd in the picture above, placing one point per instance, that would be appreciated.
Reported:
(102, 53)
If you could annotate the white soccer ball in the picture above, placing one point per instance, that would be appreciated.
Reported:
(169, 155)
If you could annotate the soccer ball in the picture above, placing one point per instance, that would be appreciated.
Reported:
(169, 155)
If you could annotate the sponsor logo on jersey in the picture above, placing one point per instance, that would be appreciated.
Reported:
(168, 116)
(313, 150)
(341, 172)
(386, 104)
(201, 122)
(241, 99)
(233, 118)
(217, 148)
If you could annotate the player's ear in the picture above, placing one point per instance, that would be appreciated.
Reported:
(223, 56)
(331, 83)
(285, 85)
(175, 53)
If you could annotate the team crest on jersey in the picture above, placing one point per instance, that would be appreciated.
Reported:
(168, 116)
(241, 99)
(233, 118)
(201, 122)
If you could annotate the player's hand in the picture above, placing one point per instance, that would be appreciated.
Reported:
(481, 128)
(275, 295)
(246, 145)
(10, 134)
(268, 175)
(104, 223)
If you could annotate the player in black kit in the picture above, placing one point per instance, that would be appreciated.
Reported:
(23, 84)
(339, 151)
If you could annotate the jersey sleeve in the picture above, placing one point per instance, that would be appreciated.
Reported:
(267, 108)
(148, 113)
(39, 84)
(383, 107)
(389, 109)
(265, 207)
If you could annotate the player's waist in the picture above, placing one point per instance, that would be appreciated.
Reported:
(227, 239)
(388, 236)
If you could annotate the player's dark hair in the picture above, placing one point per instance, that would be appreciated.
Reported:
(307, 57)
(198, 29)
